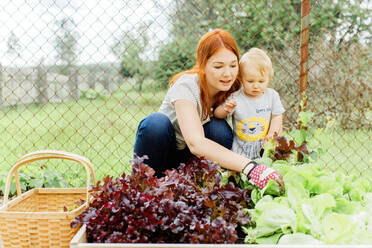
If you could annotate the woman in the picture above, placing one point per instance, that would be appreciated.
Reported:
(183, 126)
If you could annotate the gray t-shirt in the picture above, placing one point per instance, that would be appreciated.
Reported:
(186, 87)
(251, 120)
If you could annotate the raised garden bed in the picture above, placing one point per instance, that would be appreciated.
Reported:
(200, 203)
(80, 241)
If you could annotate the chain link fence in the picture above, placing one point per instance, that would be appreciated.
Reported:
(78, 76)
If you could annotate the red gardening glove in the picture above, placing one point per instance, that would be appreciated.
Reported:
(259, 175)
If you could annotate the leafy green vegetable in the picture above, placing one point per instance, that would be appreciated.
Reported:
(304, 117)
(319, 206)
(299, 239)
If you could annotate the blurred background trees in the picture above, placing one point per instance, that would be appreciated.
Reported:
(66, 45)
(257, 23)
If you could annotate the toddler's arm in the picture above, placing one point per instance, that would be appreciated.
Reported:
(275, 126)
(225, 109)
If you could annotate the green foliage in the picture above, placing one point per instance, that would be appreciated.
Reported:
(130, 49)
(343, 75)
(66, 42)
(294, 150)
(304, 116)
(320, 206)
(338, 88)
(174, 57)
(124, 71)
(93, 94)
(270, 24)
(273, 25)
(45, 179)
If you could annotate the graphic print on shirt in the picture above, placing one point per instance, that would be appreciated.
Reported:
(252, 129)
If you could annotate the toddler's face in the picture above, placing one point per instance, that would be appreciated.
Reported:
(254, 82)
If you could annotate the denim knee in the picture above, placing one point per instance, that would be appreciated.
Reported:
(219, 131)
(155, 138)
(156, 129)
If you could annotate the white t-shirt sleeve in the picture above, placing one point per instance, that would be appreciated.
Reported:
(277, 107)
(183, 89)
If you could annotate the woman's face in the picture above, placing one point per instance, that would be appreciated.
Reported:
(221, 71)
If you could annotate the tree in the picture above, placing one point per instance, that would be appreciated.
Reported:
(13, 46)
(131, 50)
(174, 57)
(266, 23)
(66, 45)
(269, 24)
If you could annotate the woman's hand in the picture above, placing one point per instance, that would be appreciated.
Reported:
(259, 175)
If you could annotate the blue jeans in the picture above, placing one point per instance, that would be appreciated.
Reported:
(156, 138)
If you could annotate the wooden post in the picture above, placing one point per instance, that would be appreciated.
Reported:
(74, 84)
(304, 54)
(92, 78)
(41, 83)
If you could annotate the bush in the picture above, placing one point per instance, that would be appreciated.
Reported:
(173, 58)
(338, 84)
(45, 179)
(93, 94)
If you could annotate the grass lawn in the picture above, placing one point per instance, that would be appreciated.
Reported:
(103, 130)
(345, 150)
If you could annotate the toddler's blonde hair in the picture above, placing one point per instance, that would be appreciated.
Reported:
(259, 59)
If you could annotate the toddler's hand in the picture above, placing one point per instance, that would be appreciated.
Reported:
(229, 105)
(267, 138)
(270, 136)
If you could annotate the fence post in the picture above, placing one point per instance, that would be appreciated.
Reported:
(106, 80)
(41, 83)
(92, 78)
(74, 84)
(304, 54)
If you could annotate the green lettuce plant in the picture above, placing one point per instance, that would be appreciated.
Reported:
(319, 207)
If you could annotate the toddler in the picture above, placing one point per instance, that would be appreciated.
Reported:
(256, 110)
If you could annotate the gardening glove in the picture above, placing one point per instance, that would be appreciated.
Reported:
(259, 175)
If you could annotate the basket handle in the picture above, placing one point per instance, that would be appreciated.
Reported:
(47, 154)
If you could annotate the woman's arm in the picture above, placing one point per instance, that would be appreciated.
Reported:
(275, 126)
(193, 133)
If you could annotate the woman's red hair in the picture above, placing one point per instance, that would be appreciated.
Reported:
(208, 45)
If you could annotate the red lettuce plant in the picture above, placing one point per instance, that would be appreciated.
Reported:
(281, 149)
(187, 205)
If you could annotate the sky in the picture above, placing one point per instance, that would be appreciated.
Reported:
(99, 23)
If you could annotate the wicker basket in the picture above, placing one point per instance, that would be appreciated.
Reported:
(36, 218)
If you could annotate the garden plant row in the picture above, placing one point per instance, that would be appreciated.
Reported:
(199, 202)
